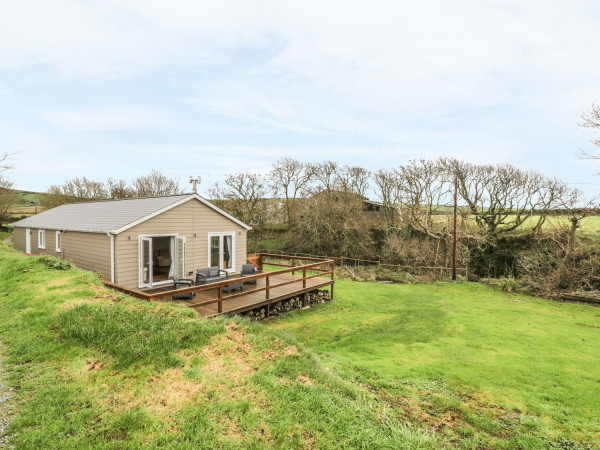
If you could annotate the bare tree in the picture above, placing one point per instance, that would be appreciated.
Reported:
(155, 184)
(118, 189)
(591, 119)
(243, 195)
(291, 179)
(7, 199)
(5, 161)
(388, 189)
(353, 179)
(501, 198)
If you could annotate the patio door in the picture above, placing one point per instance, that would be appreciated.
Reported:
(222, 250)
(146, 262)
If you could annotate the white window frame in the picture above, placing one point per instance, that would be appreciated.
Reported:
(42, 239)
(226, 233)
(58, 242)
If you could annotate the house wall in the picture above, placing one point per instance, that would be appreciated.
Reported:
(19, 239)
(90, 251)
(187, 219)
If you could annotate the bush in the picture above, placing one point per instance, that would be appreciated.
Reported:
(57, 264)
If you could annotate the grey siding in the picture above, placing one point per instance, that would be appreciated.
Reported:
(193, 220)
(90, 251)
(19, 239)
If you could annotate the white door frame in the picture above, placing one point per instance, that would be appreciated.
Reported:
(27, 240)
(143, 237)
(141, 241)
(227, 233)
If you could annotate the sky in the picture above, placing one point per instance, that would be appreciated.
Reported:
(118, 88)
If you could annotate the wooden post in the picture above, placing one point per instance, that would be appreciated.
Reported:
(331, 292)
(220, 304)
(454, 239)
(260, 261)
(268, 283)
(304, 276)
(293, 264)
(268, 310)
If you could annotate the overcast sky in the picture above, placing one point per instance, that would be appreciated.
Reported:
(116, 88)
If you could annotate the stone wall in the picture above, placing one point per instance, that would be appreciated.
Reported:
(301, 301)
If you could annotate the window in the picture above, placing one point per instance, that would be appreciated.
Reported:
(58, 248)
(42, 239)
(221, 250)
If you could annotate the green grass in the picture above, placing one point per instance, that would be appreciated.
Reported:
(482, 367)
(94, 369)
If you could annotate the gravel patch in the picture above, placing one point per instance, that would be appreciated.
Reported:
(5, 407)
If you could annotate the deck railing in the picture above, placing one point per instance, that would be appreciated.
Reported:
(260, 260)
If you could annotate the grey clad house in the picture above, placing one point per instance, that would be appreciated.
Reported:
(140, 242)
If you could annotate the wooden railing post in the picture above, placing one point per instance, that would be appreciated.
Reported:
(260, 261)
(268, 283)
(304, 280)
(220, 304)
(332, 270)
(293, 264)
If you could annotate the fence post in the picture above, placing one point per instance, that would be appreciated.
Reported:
(268, 283)
(293, 264)
(304, 280)
(260, 261)
(220, 304)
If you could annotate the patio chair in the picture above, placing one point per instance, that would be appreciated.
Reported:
(247, 271)
(210, 275)
(179, 283)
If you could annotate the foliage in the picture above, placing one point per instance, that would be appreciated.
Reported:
(57, 264)
(483, 368)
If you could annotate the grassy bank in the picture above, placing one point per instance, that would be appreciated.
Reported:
(95, 369)
(483, 368)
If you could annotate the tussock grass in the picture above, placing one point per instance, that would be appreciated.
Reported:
(96, 369)
(132, 335)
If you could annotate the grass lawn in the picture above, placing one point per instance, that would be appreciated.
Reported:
(481, 367)
(94, 369)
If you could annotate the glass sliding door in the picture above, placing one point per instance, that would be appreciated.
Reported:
(222, 250)
(145, 262)
(227, 252)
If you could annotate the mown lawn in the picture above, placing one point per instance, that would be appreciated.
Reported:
(481, 367)
(94, 369)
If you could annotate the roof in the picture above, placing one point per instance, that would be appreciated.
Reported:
(111, 216)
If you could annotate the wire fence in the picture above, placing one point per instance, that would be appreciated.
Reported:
(347, 261)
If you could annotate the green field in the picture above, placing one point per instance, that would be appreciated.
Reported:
(383, 366)
(482, 367)
(95, 369)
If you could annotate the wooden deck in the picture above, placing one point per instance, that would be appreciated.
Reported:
(239, 304)
(271, 286)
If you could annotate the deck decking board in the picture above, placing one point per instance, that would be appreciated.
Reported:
(256, 299)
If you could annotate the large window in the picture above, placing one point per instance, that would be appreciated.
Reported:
(42, 239)
(221, 250)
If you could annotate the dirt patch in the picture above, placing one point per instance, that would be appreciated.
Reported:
(93, 364)
(304, 379)
(292, 350)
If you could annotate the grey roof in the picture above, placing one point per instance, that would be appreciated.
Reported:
(107, 216)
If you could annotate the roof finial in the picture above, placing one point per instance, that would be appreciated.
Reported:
(194, 181)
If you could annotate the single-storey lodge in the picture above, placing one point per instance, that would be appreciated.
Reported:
(137, 243)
